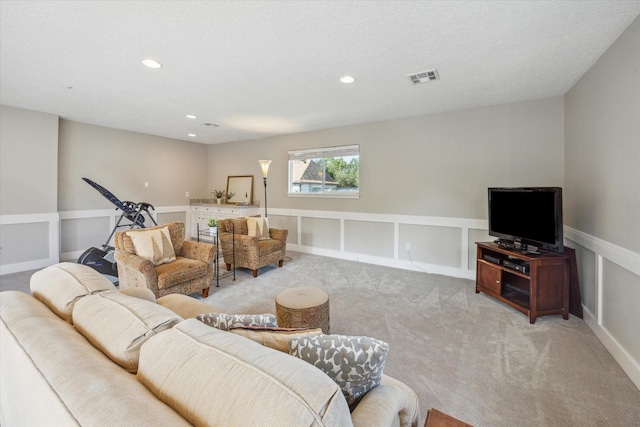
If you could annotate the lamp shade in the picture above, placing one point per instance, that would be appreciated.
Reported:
(264, 164)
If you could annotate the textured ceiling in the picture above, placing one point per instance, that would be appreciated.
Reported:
(272, 67)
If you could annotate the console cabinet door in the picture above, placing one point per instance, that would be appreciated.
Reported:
(488, 278)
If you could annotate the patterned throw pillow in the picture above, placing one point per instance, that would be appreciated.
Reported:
(225, 322)
(258, 227)
(154, 245)
(354, 363)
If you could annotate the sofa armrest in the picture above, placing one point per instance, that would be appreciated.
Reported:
(278, 233)
(385, 405)
(201, 251)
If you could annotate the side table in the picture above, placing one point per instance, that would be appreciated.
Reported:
(436, 418)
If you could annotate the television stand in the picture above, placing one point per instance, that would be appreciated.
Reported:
(534, 284)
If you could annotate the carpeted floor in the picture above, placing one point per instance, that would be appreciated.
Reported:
(463, 353)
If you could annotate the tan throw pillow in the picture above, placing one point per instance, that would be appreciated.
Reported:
(258, 227)
(154, 245)
(276, 338)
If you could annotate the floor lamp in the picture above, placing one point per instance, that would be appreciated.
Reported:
(264, 164)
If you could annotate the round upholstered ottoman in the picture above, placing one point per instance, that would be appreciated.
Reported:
(303, 307)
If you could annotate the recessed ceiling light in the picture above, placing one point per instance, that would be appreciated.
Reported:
(192, 135)
(151, 63)
(191, 116)
(347, 79)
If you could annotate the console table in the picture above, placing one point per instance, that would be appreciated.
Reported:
(534, 284)
(201, 212)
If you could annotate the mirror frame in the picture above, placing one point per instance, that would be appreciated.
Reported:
(240, 184)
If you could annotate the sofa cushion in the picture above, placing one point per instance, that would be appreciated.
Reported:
(225, 321)
(61, 285)
(258, 227)
(179, 271)
(276, 338)
(354, 363)
(212, 377)
(154, 245)
(52, 376)
(118, 324)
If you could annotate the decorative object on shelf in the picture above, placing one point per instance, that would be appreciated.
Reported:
(213, 225)
(229, 196)
(219, 195)
(264, 164)
(242, 187)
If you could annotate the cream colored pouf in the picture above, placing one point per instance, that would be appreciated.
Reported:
(303, 307)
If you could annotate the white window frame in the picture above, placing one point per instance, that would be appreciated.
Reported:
(325, 152)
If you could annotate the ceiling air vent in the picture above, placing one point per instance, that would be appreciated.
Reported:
(424, 76)
(210, 125)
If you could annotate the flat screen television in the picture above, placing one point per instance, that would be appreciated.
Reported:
(523, 217)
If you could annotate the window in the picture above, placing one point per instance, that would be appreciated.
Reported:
(325, 172)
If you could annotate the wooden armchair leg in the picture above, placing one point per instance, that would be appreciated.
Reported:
(255, 273)
(205, 292)
(280, 263)
(228, 266)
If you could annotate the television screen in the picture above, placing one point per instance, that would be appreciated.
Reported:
(532, 216)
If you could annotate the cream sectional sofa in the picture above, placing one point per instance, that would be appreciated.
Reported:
(80, 352)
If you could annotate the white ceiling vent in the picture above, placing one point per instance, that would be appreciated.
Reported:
(210, 125)
(424, 76)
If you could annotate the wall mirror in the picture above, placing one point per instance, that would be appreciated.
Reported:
(242, 187)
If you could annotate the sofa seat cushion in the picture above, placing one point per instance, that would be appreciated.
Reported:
(179, 271)
(119, 324)
(267, 247)
(53, 376)
(213, 377)
(61, 285)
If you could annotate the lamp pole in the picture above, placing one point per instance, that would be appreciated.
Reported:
(264, 164)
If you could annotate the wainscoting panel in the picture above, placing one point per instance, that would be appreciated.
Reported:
(442, 245)
(289, 223)
(610, 286)
(29, 241)
(429, 244)
(369, 238)
(322, 233)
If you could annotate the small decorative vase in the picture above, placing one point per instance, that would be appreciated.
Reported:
(218, 201)
(213, 230)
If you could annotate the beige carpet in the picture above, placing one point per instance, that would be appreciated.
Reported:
(463, 353)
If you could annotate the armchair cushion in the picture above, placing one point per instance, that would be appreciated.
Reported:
(179, 271)
(154, 245)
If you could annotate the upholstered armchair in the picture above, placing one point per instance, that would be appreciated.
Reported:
(251, 249)
(149, 263)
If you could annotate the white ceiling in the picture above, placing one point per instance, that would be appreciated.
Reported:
(272, 67)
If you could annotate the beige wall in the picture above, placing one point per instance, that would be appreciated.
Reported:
(602, 195)
(122, 162)
(437, 165)
(602, 146)
(28, 161)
